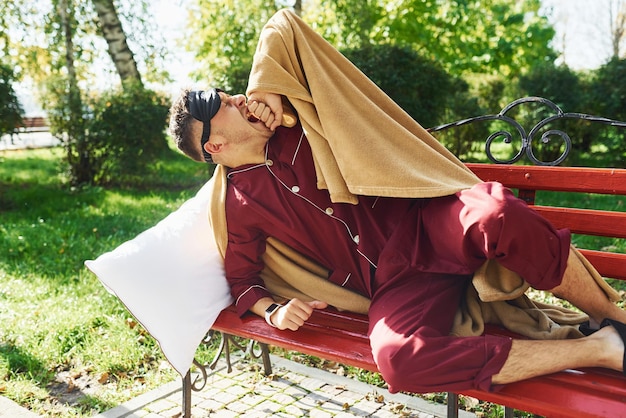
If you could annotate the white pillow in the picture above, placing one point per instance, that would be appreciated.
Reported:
(171, 279)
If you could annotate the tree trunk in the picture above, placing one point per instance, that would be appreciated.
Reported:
(112, 31)
(617, 26)
(68, 32)
(77, 155)
(297, 7)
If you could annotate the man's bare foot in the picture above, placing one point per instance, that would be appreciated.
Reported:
(612, 351)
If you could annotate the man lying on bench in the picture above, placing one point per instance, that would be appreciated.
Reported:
(377, 217)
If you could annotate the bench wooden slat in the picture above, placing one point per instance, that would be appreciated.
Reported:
(608, 264)
(569, 394)
(347, 344)
(586, 221)
(570, 179)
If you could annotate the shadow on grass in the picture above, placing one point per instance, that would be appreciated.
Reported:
(64, 389)
(19, 361)
(78, 392)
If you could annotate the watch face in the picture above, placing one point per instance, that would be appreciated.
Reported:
(269, 311)
(272, 308)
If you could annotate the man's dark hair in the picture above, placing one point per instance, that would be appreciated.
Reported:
(181, 127)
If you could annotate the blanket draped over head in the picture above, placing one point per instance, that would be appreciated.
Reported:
(364, 143)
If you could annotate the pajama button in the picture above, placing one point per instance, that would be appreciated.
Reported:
(329, 211)
(269, 163)
(295, 189)
(356, 239)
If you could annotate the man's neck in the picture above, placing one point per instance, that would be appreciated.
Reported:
(252, 155)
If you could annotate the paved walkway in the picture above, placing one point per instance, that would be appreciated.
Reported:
(293, 390)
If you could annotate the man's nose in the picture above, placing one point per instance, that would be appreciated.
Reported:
(239, 100)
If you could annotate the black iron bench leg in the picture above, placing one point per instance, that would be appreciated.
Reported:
(187, 395)
(224, 348)
(265, 356)
(453, 405)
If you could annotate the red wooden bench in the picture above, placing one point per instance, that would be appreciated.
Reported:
(342, 337)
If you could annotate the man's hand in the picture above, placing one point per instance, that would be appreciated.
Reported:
(292, 315)
(267, 107)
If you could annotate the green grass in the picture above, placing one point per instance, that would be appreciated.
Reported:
(60, 329)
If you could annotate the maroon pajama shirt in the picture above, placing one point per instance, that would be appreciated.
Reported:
(413, 257)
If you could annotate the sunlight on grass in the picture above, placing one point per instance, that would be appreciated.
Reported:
(67, 346)
(37, 165)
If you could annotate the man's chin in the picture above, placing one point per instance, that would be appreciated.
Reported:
(260, 127)
(257, 124)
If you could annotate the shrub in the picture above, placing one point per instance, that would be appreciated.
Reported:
(467, 141)
(419, 85)
(127, 132)
(609, 95)
(609, 89)
(10, 109)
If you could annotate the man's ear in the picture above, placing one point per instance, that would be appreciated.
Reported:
(213, 147)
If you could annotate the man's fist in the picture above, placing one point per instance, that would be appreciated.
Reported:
(292, 315)
(267, 107)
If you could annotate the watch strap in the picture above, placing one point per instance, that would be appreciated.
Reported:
(269, 312)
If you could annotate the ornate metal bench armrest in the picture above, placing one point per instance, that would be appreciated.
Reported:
(528, 137)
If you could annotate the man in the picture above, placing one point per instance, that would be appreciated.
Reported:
(412, 255)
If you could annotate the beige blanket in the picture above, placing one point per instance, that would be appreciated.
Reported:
(363, 143)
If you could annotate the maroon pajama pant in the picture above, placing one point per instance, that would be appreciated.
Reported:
(424, 272)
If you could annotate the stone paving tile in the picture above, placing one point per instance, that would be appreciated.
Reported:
(10, 409)
(213, 405)
(293, 410)
(349, 397)
(160, 405)
(239, 407)
(312, 384)
(292, 391)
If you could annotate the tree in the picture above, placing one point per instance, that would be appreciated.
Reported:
(31, 37)
(617, 26)
(224, 41)
(10, 109)
(466, 36)
(345, 23)
(65, 70)
(111, 29)
(67, 118)
(490, 36)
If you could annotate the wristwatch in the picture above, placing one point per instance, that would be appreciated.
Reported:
(270, 311)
